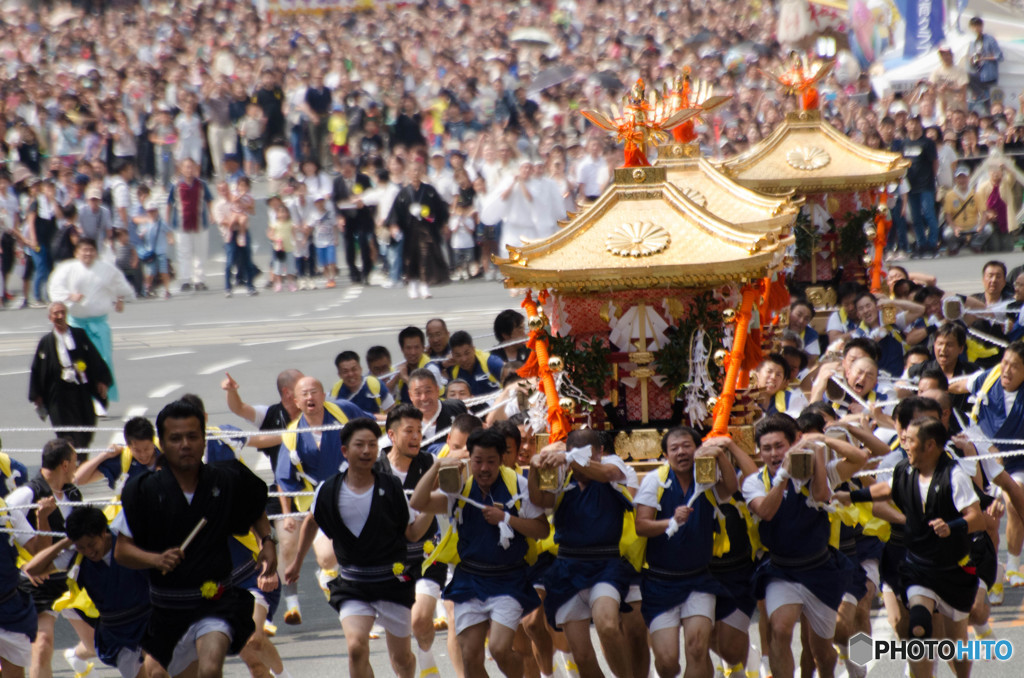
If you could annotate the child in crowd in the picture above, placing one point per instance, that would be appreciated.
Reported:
(281, 233)
(463, 226)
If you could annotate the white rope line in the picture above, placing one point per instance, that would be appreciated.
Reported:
(987, 337)
(29, 507)
(14, 530)
(976, 457)
(282, 516)
(303, 493)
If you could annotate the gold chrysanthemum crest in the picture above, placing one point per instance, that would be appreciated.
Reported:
(808, 158)
(637, 239)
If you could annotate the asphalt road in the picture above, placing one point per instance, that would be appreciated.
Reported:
(166, 348)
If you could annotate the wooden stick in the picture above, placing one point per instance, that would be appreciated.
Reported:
(192, 535)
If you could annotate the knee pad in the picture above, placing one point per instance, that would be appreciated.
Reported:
(921, 617)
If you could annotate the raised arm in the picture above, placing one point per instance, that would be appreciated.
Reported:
(42, 562)
(424, 499)
(127, 554)
(235, 403)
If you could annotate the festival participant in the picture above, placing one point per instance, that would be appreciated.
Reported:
(489, 586)
(589, 579)
(268, 418)
(378, 362)
(364, 512)
(773, 375)
(366, 393)
(418, 214)
(67, 373)
(306, 459)
(18, 617)
(455, 443)
(120, 594)
(52, 484)
(938, 525)
(425, 395)
(409, 462)
(678, 589)
(1000, 414)
(412, 341)
(458, 389)
(862, 379)
(799, 577)
(995, 293)
(482, 371)
(121, 463)
(89, 288)
(801, 313)
(259, 653)
(200, 614)
(438, 337)
(948, 346)
(887, 337)
(843, 322)
(510, 326)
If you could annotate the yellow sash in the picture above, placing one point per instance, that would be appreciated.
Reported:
(290, 440)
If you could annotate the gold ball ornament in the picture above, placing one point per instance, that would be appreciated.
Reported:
(720, 357)
(712, 403)
(868, 259)
(555, 363)
(568, 405)
(536, 323)
(729, 315)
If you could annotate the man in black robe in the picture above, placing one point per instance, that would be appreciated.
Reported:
(420, 214)
(67, 373)
(200, 614)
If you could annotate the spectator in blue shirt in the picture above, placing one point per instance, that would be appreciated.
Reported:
(984, 72)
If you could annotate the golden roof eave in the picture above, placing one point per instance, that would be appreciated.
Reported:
(644, 233)
(704, 183)
(850, 166)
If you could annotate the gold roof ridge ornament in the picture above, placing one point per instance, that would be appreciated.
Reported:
(643, 122)
(645, 234)
(792, 159)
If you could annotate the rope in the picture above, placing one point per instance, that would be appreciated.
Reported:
(14, 530)
(987, 337)
(290, 494)
(978, 457)
(514, 342)
(282, 516)
(28, 507)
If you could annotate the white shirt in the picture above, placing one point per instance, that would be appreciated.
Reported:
(963, 487)
(101, 285)
(355, 508)
(592, 175)
(22, 496)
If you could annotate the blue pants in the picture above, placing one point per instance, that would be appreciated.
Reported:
(898, 234)
(395, 261)
(922, 211)
(99, 333)
(42, 259)
(239, 257)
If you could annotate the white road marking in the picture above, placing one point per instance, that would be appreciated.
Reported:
(14, 372)
(220, 367)
(319, 342)
(165, 354)
(164, 390)
(261, 342)
(137, 411)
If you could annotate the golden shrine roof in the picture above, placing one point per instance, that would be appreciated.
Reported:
(704, 184)
(807, 155)
(643, 232)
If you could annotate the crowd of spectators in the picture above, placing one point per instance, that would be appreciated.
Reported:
(108, 110)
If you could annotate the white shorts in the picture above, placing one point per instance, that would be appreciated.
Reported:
(16, 648)
(428, 587)
(67, 613)
(578, 608)
(185, 651)
(871, 570)
(504, 610)
(737, 619)
(396, 619)
(941, 606)
(260, 599)
(697, 604)
(822, 617)
(633, 594)
(129, 662)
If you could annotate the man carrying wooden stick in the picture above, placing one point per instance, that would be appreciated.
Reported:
(177, 522)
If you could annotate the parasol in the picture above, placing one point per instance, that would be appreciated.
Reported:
(608, 80)
(551, 77)
(532, 37)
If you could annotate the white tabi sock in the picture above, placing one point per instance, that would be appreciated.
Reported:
(1013, 563)
(982, 631)
(568, 664)
(427, 663)
(766, 669)
(284, 674)
(291, 602)
(77, 665)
